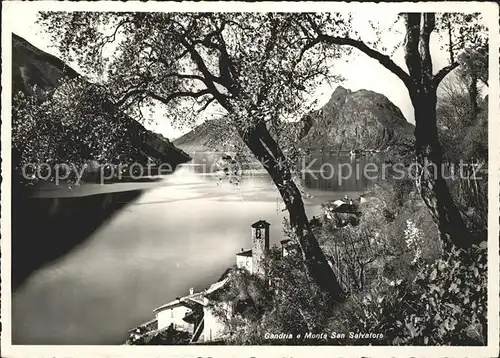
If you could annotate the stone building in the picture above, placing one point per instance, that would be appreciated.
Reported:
(194, 314)
(253, 259)
(244, 260)
(287, 247)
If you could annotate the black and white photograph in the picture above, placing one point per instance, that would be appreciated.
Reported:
(250, 174)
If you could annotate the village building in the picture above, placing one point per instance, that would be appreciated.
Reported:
(244, 260)
(287, 247)
(177, 313)
(195, 313)
(253, 260)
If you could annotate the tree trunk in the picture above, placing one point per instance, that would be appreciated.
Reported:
(422, 88)
(434, 189)
(268, 152)
(473, 97)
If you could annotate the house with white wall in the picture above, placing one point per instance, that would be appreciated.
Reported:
(194, 314)
(199, 313)
(178, 313)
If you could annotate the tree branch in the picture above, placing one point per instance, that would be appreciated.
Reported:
(140, 88)
(227, 69)
(174, 95)
(108, 39)
(411, 43)
(271, 43)
(205, 106)
(162, 60)
(425, 54)
(165, 100)
(210, 78)
(307, 47)
(384, 60)
(185, 76)
(130, 92)
(442, 73)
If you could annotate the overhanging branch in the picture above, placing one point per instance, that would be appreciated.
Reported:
(307, 47)
(183, 76)
(205, 106)
(210, 79)
(384, 60)
(175, 95)
(438, 77)
(108, 39)
(165, 100)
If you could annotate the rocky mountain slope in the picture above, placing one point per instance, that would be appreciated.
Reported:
(46, 229)
(362, 119)
(34, 67)
(212, 135)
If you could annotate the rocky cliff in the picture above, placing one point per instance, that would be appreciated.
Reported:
(362, 119)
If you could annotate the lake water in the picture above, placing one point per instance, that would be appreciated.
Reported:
(182, 233)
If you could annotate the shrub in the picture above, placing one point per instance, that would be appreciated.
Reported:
(290, 303)
(383, 242)
(444, 305)
(76, 125)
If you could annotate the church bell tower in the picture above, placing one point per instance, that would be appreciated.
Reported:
(260, 246)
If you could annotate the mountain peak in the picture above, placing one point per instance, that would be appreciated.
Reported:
(350, 120)
(339, 95)
(340, 90)
(361, 119)
(31, 66)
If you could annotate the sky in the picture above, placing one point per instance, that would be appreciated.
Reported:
(359, 71)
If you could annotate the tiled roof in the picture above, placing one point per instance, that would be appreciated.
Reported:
(247, 253)
(195, 298)
(260, 223)
(214, 287)
(200, 300)
(182, 301)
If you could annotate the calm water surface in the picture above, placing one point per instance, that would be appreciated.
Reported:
(183, 233)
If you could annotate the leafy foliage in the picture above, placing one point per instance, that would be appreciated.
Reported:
(292, 304)
(75, 126)
(375, 244)
(439, 301)
(445, 304)
(462, 113)
(189, 62)
(299, 305)
(240, 304)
